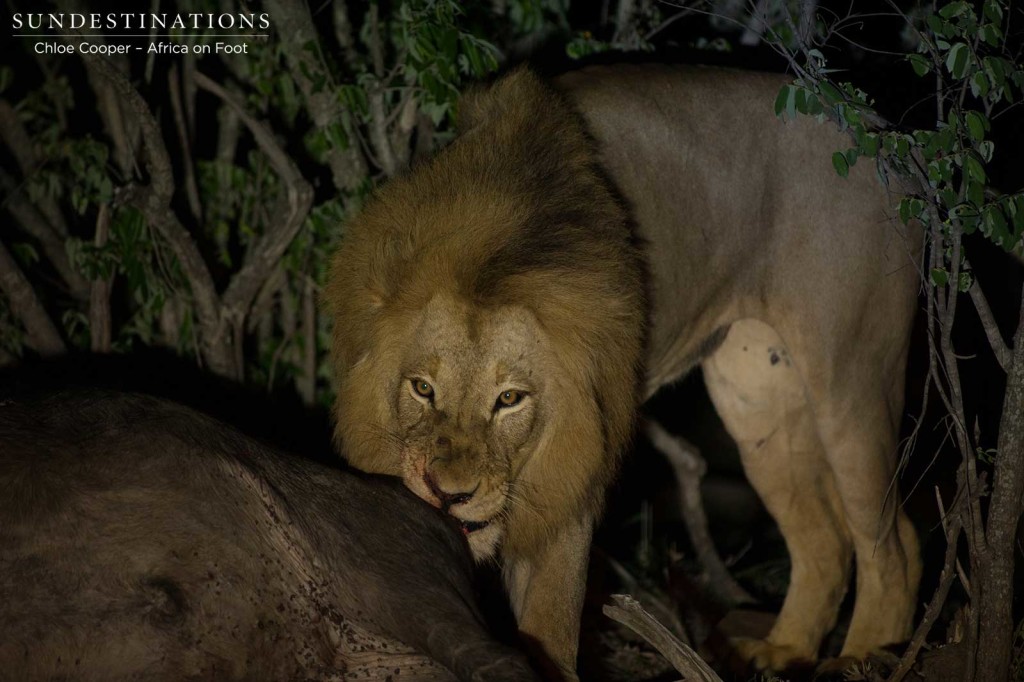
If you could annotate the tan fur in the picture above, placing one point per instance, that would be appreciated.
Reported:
(507, 261)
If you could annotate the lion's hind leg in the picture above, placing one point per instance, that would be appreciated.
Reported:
(760, 397)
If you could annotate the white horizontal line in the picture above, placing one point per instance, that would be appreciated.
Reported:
(154, 35)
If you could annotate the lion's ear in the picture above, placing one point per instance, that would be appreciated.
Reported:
(482, 103)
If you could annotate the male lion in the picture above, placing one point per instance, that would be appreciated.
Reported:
(490, 311)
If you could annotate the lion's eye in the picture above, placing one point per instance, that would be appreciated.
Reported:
(508, 399)
(423, 388)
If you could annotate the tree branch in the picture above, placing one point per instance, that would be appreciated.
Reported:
(99, 295)
(154, 202)
(348, 167)
(689, 468)
(988, 323)
(181, 126)
(18, 141)
(41, 334)
(628, 611)
(1004, 514)
(288, 216)
(38, 227)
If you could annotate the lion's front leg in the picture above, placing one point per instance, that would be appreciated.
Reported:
(546, 589)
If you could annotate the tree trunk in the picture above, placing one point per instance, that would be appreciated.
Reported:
(995, 641)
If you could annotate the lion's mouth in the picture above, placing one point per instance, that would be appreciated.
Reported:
(471, 526)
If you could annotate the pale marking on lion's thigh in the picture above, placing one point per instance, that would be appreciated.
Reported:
(754, 379)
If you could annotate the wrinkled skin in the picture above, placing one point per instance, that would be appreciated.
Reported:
(141, 540)
(505, 270)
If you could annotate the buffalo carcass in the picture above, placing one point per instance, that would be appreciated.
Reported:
(142, 540)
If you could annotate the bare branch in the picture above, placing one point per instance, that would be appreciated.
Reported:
(689, 468)
(345, 35)
(99, 294)
(936, 603)
(18, 141)
(38, 227)
(379, 138)
(988, 323)
(41, 334)
(628, 611)
(305, 381)
(283, 225)
(181, 126)
(408, 116)
(154, 202)
(1005, 509)
(348, 167)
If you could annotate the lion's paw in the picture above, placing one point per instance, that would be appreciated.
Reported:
(760, 654)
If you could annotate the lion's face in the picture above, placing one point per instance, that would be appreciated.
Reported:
(468, 409)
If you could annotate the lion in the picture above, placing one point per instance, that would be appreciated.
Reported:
(502, 310)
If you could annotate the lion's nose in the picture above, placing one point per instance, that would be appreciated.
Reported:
(448, 500)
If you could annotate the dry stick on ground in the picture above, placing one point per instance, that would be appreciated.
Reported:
(40, 333)
(689, 468)
(666, 608)
(626, 610)
(99, 294)
(295, 26)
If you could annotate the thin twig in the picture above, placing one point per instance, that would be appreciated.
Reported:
(936, 603)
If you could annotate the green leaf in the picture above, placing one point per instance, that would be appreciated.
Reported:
(785, 102)
(995, 67)
(976, 193)
(993, 11)
(830, 93)
(991, 34)
(986, 148)
(964, 282)
(979, 84)
(26, 253)
(919, 63)
(939, 27)
(957, 59)
(977, 125)
(939, 277)
(953, 9)
(840, 163)
(975, 170)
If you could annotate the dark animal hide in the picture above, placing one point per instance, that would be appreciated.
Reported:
(142, 540)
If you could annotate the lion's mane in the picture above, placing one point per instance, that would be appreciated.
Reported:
(514, 211)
